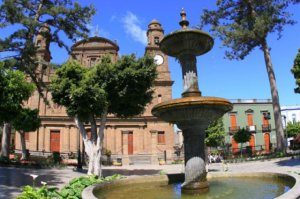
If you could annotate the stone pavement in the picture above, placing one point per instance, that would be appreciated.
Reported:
(12, 179)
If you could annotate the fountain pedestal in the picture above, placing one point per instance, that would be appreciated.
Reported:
(195, 171)
(192, 113)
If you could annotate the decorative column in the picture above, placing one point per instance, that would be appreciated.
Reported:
(154, 157)
(125, 158)
(189, 75)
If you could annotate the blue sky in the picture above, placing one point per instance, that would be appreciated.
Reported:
(127, 21)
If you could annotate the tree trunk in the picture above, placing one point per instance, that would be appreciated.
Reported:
(95, 162)
(241, 150)
(5, 140)
(23, 145)
(275, 98)
(98, 150)
(87, 143)
(94, 146)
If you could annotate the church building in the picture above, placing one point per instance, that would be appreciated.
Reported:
(141, 139)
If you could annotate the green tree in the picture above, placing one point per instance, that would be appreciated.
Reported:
(14, 89)
(293, 129)
(242, 136)
(26, 120)
(26, 18)
(215, 134)
(122, 88)
(296, 72)
(242, 26)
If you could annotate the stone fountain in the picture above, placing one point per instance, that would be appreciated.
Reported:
(192, 113)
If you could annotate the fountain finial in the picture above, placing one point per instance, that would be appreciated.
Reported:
(183, 23)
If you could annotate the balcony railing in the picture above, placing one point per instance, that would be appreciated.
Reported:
(266, 127)
(251, 129)
(233, 129)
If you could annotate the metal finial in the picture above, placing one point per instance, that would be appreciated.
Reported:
(182, 13)
(96, 33)
(183, 23)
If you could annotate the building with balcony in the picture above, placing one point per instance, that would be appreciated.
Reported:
(258, 118)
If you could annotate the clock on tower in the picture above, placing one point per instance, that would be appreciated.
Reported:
(159, 60)
(155, 34)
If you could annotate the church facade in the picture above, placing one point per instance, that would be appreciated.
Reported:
(141, 139)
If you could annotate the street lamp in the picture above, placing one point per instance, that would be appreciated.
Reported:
(79, 163)
(285, 132)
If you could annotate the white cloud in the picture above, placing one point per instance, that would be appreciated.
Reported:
(132, 27)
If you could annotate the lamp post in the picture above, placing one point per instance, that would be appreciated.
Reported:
(285, 133)
(79, 163)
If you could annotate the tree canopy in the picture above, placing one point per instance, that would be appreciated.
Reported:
(72, 87)
(14, 89)
(25, 18)
(243, 25)
(242, 136)
(293, 129)
(27, 120)
(215, 134)
(122, 87)
(296, 71)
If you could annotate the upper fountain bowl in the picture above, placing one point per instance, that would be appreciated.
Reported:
(189, 111)
(186, 41)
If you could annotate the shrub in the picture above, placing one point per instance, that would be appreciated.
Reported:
(4, 160)
(56, 157)
(44, 192)
(72, 190)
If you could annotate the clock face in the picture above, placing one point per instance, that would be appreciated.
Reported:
(158, 59)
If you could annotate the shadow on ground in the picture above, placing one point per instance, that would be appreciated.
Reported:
(109, 172)
(213, 170)
(289, 163)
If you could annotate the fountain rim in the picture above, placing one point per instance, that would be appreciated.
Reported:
(185, 31)
(191, 101)
(293, 193)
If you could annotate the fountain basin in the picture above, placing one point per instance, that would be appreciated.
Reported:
(188, 110)
(223, 185)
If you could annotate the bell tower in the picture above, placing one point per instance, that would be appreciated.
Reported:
(155, 34)
(163, 83)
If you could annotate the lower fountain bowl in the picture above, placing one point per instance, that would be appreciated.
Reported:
(201, 110)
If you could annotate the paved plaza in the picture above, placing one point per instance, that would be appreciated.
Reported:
(12, 179)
